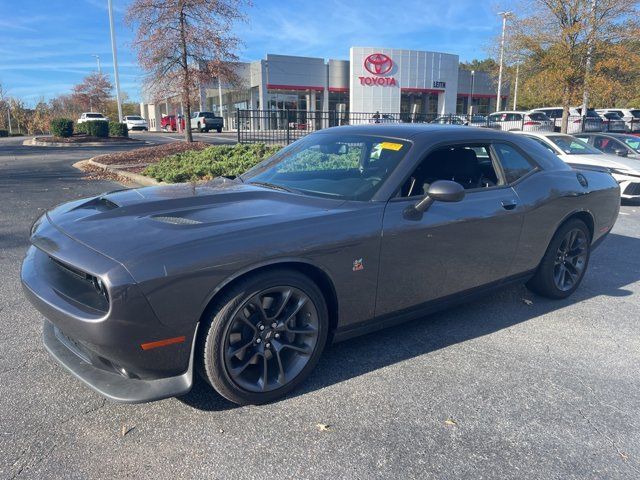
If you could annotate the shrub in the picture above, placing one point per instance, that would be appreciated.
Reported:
(215, 161)
(80, 128)
(61, 127)
(118, 129)
(97, 128)
(4, 133)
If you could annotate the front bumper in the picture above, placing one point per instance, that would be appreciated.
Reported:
(103, 343)
(111, 385)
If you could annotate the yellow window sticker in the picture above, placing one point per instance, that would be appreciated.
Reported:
(391, 146)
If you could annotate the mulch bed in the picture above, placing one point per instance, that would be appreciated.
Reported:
(81, 138)
(96, 173)
(148, 155)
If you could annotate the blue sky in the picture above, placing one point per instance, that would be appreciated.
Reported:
(46, 46)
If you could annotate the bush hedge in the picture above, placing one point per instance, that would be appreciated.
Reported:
(4, 133)
(215, 161)
(118, 129)
(94, 129)
(61, 127)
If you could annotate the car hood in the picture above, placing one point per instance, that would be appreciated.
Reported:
(129, 224)
(608, 161)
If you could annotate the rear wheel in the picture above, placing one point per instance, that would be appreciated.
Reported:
(564, 264)
(219, 129)
(265, 336)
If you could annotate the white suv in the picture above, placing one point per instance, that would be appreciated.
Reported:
(512, 120)
(593, 122)
(135, 122)
(631, 116)
(92, 117)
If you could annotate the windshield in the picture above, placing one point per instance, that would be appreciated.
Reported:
(94, 115)
(345, 167)
(632, 142)
(572, 146)
(134, 117)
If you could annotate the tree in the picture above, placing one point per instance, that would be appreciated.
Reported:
(488, 65)
(184, 43)
(560, 39)
(93, 92)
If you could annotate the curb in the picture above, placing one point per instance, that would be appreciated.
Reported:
(134, 177)
(34, 143)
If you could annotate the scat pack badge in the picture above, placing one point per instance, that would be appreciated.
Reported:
(358, 265)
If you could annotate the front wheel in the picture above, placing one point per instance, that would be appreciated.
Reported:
(264, 337)
(564, 264)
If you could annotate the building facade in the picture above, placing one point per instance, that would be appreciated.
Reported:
(410, 83)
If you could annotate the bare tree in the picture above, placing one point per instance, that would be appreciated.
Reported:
(184, 43)
(559, 39)
(94, 92)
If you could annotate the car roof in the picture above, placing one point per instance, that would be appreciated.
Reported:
(542, 134)
(421, 130)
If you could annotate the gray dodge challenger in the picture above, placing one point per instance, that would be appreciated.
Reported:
(345, 231)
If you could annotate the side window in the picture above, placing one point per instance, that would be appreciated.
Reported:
(470, 165)
(514, 164)
(604, 144)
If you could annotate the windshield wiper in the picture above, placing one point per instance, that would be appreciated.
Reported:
(272, 186)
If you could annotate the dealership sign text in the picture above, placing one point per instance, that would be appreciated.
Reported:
(381, 81)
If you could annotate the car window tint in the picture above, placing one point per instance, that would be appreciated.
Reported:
(514, 164)
(469, 165)
(633, 142)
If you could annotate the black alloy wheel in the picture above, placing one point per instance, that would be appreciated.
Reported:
(571, 259)
(265, 335)
(565, 262)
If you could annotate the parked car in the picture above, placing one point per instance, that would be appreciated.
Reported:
(92, 117)
(249, 279)
(169, 123)
(383, 118)
(135, 122)
(612, 122)
(580, 155)
(475, 121)
(512, 121)
(631, 116)
(205, 121)
(620, 144)
(592, 123)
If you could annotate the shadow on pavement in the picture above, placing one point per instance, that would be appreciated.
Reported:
(503, 309)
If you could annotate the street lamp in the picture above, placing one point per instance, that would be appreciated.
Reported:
(515, 88)
(504, 16)
(115, 60)
(473, 78)
(97, 57)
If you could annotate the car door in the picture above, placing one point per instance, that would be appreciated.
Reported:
(450, 248)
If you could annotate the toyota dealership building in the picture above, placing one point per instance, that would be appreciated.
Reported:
(385, 80)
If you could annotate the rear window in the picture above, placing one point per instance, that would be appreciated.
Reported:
(208, 115)
(94, 115)
(612, 116)
(633, 142)
(539, 116)
(134, 117)
(635, 113)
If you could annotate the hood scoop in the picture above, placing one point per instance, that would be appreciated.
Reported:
(99, 204)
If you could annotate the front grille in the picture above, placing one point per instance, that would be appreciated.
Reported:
(632, 189)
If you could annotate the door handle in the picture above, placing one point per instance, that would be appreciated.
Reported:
(509, 204)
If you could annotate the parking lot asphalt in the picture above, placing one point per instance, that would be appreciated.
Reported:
(498, 388)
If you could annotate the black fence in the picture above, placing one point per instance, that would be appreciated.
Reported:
(285, 126)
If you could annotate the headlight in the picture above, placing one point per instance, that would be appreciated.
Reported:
(37, 223)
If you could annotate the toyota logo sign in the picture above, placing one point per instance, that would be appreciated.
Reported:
(378, 64)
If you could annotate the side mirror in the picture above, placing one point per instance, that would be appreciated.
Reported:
(621, 152)
(441, 191)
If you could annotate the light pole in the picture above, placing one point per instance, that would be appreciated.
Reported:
(587, 67)
(97, 57)
(504, 16)
(473, 78)
(515, 88)
(115, 61)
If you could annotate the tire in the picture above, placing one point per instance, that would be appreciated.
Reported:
(233, 350)
(563, 254)
(219, 130)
